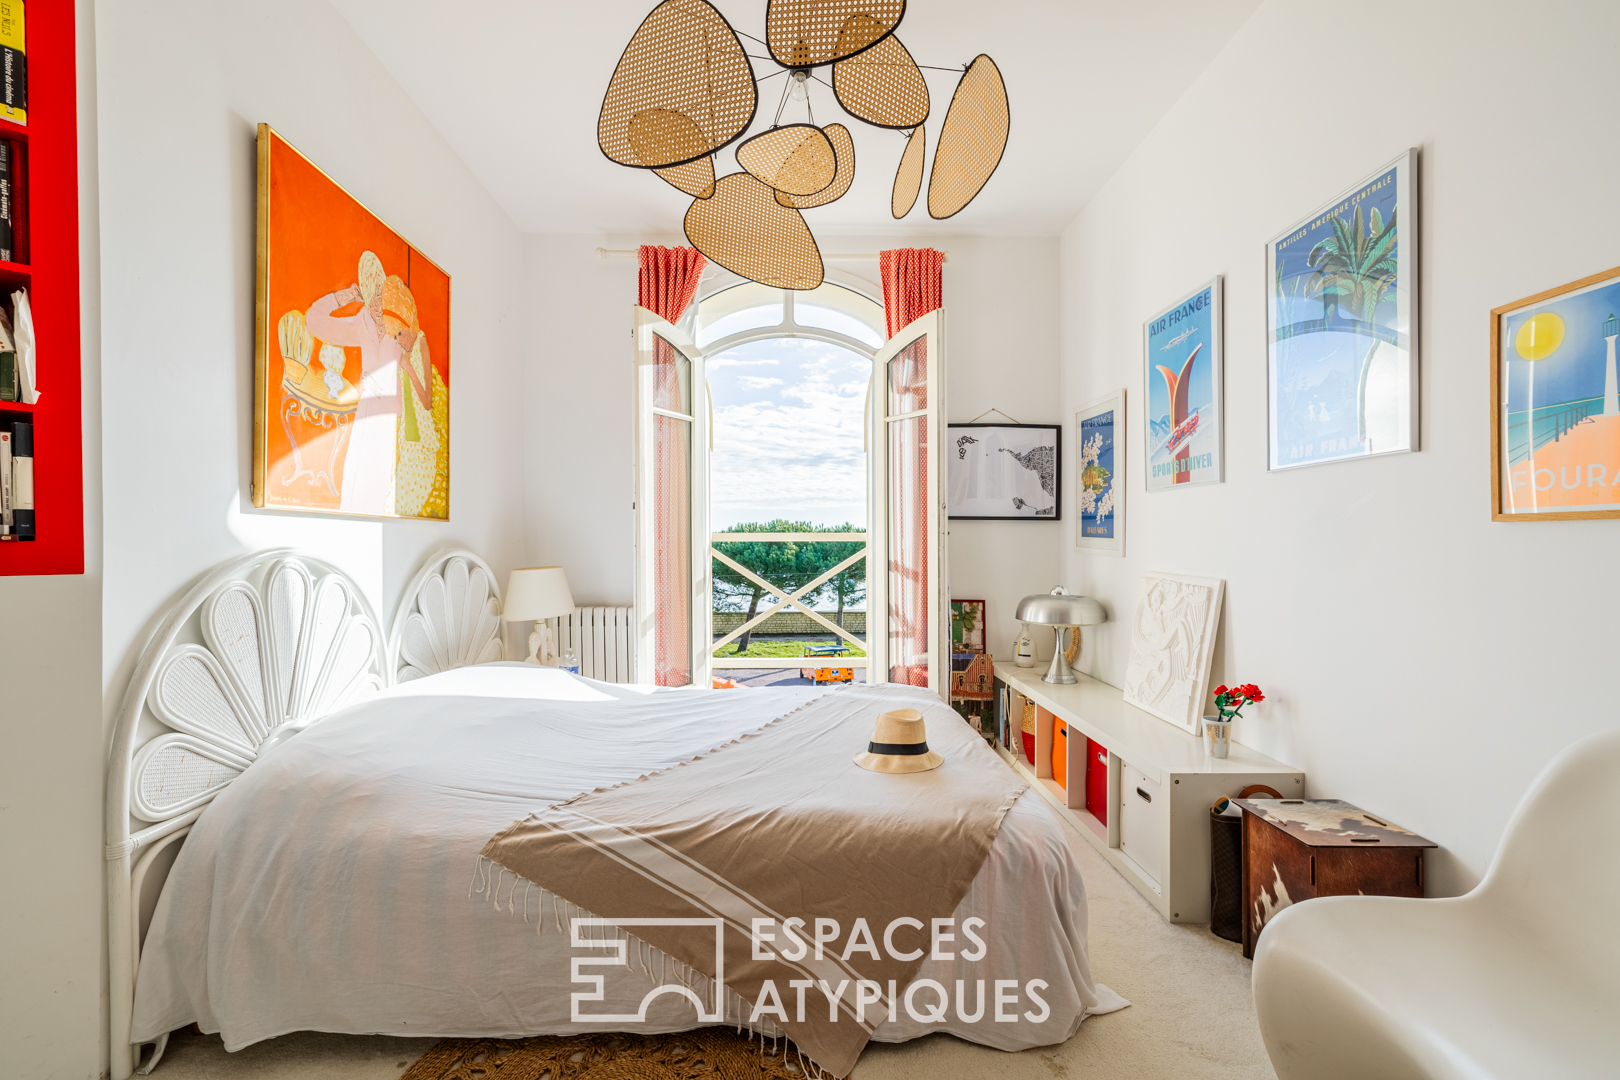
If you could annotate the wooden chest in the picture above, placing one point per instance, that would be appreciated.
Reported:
(1296, 849)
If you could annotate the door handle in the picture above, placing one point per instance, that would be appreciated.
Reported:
(1145, 796)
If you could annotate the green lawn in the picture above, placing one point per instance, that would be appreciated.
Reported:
(784, 649)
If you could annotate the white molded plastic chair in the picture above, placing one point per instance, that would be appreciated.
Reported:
(1519, 978)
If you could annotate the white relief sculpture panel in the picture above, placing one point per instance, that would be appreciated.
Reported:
(1172, 645)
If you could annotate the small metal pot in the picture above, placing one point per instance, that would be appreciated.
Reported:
(1217, 736)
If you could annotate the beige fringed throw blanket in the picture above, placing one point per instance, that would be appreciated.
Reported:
(781, 839)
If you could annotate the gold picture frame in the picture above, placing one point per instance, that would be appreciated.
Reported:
(1563, 339)
(351, 398)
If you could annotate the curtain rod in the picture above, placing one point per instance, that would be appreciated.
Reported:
(854, 256)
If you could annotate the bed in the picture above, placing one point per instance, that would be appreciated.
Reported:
(273, 876)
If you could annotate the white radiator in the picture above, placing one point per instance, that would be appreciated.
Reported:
(600, 637)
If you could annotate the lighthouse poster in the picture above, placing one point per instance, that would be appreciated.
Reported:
(1341, 317)
(1182, 379)
(1555, 433)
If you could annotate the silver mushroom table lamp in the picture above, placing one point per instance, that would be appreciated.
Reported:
(1061, 611)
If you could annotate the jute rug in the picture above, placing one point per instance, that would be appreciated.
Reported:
(704, 1054)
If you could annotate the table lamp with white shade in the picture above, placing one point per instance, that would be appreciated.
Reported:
(1061, 611)
(538, 593)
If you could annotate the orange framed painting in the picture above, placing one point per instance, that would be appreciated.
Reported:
(1555, 403)
(351, 403)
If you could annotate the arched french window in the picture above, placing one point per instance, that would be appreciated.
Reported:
(907, 595)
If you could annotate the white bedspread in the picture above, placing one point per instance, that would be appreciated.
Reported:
(329, 887)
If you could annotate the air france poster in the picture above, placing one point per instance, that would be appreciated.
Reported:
(1341, 325)
(1182, 380)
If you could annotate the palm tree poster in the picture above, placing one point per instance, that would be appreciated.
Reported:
(1182, 376)
(351, 404)
(1342, 325)
(1555, 432)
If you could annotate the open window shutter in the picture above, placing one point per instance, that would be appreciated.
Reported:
(673, 608)
(908, 594)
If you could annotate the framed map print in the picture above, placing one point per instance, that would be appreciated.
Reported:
(1181, 359)
(1099, 430)
(351, 397)
(1004, 471)
(1555, 397)
(1341, 325)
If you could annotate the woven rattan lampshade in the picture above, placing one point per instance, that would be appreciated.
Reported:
(797, 158)
(682, 90)
(806, 33)
(744, 229)
(908, 177)
(696, 178)
(844, 147)
(972, 139)
(882, 86)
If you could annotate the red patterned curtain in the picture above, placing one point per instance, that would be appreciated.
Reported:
(667, 283)
(912, 284)
(669, 279)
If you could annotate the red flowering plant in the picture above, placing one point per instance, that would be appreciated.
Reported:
(1231, 699)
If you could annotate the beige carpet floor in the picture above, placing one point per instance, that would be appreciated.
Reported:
(1191, 1017)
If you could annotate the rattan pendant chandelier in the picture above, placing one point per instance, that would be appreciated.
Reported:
(685, 89)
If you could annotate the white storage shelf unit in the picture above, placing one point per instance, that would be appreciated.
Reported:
(1161, 785)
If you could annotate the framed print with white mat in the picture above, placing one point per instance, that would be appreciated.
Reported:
(1342, 325)
(1181, 383)
(1099, 430)
(1008, 472)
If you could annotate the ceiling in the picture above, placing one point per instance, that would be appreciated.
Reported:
(515, 87)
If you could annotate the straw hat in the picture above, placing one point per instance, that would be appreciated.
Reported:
(899, 745)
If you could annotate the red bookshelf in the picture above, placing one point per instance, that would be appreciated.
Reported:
(47, 246)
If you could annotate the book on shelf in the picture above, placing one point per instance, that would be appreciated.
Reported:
(7, 204)
(5, 486)
(17, 338)
(13, 63)
(22, 480)
(18, 153)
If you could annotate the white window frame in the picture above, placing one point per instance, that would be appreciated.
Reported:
(648, 326)
(932, 327)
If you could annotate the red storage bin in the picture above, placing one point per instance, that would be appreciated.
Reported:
(1097, 780)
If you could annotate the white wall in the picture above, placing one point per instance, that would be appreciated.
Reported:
(1421, 661)
(51, 921)
(1001, 342)
(1001, 334)
(167, 109)
(177, 154)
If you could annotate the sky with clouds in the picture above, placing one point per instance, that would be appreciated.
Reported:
(788, 415)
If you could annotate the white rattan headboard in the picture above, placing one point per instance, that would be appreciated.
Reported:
(449, 617)
(259, 648)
